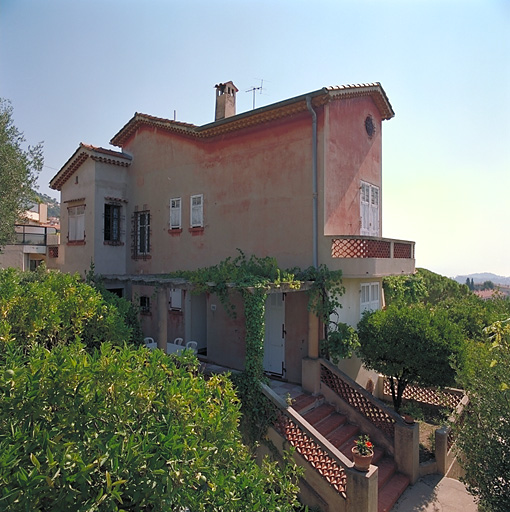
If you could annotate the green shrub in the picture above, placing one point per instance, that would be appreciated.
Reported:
(125, 429)
(49, 308)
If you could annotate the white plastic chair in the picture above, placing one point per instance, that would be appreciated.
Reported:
(192, 345)
(178, 341)
(150, 343)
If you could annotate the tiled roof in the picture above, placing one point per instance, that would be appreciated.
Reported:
(83, 152)
(263, 114)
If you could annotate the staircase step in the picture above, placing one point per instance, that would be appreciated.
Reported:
(318, 414)
(304, 403)
(391, 492)
(330, 423)
(342, 434)
(387, 469)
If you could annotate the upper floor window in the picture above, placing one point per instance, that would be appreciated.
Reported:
(175, 213)
(112, 223)
(142, 221)
(197, 211)
(369, 209)
(76, 223)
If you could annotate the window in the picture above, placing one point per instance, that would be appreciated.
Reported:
(76, 228)
(175, 213)
(145, 305)
(197, 211)
(175, 299)
(112, 223)
(369, 209)
(142, 230)
(369, 297)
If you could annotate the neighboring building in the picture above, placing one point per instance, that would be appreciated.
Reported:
(36, 241)
(299, 180)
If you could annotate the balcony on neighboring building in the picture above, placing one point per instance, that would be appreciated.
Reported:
(27, 234)
(366, 256)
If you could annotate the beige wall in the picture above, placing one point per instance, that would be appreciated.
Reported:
(77, 258)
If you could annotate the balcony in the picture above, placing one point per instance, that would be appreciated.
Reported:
(366, 256)
(35, 235)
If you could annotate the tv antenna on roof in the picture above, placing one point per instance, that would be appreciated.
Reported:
(254, 89)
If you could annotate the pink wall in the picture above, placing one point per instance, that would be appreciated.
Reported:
(257, 188)
(350, 156)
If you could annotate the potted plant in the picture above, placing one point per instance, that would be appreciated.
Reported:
(362, 453)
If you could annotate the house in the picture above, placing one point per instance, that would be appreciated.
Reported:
(36, 241)
(299, 180)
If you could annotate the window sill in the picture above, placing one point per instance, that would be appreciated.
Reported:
(76, 242)
(196, 231)
(109, 242)
(175, 232)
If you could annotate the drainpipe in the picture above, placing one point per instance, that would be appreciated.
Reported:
(315, 196)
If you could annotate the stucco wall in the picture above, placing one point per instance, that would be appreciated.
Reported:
(77, 258)
(110, 182)
(350, 156)
(257, 190)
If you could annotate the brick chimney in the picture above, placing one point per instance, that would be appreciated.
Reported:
(225, 100)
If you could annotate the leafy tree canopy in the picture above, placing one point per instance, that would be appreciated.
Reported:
(51, 308)
(411, 345)
(18, 173)
(126, 429)
(483, 434)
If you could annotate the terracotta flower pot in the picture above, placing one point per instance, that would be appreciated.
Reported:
(361, 462)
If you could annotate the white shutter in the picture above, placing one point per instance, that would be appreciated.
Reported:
(175, 213)
(175, 298)
(365, 208)
(197, 211)
(369, 209)
(369, 297)
(374, 211)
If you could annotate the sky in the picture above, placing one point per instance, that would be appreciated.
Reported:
(76, 71)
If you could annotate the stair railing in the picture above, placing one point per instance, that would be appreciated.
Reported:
(385, 427)
(358, 489)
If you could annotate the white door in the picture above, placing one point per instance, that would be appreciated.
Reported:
(274, 339)
(369, 209)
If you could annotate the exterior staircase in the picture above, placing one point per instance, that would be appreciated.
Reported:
(339, 432)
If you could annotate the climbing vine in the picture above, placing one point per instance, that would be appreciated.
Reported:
(340, 340)
(253, 277)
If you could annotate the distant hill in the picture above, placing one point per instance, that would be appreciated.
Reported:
(53, 205)
(482, 277)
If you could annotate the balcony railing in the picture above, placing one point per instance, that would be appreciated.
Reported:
(34, 235)
(370, 247)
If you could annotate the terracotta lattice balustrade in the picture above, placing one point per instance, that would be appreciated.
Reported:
(312, 452)
(375, 414)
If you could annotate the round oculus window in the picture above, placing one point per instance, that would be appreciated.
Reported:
(369, 126)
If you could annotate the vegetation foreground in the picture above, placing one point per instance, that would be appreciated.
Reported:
(87, 424)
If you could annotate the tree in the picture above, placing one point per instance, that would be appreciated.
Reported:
(18, 173)
(411, 345)
(483, 431)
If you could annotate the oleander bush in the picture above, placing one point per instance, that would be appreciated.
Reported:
(124, 428)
